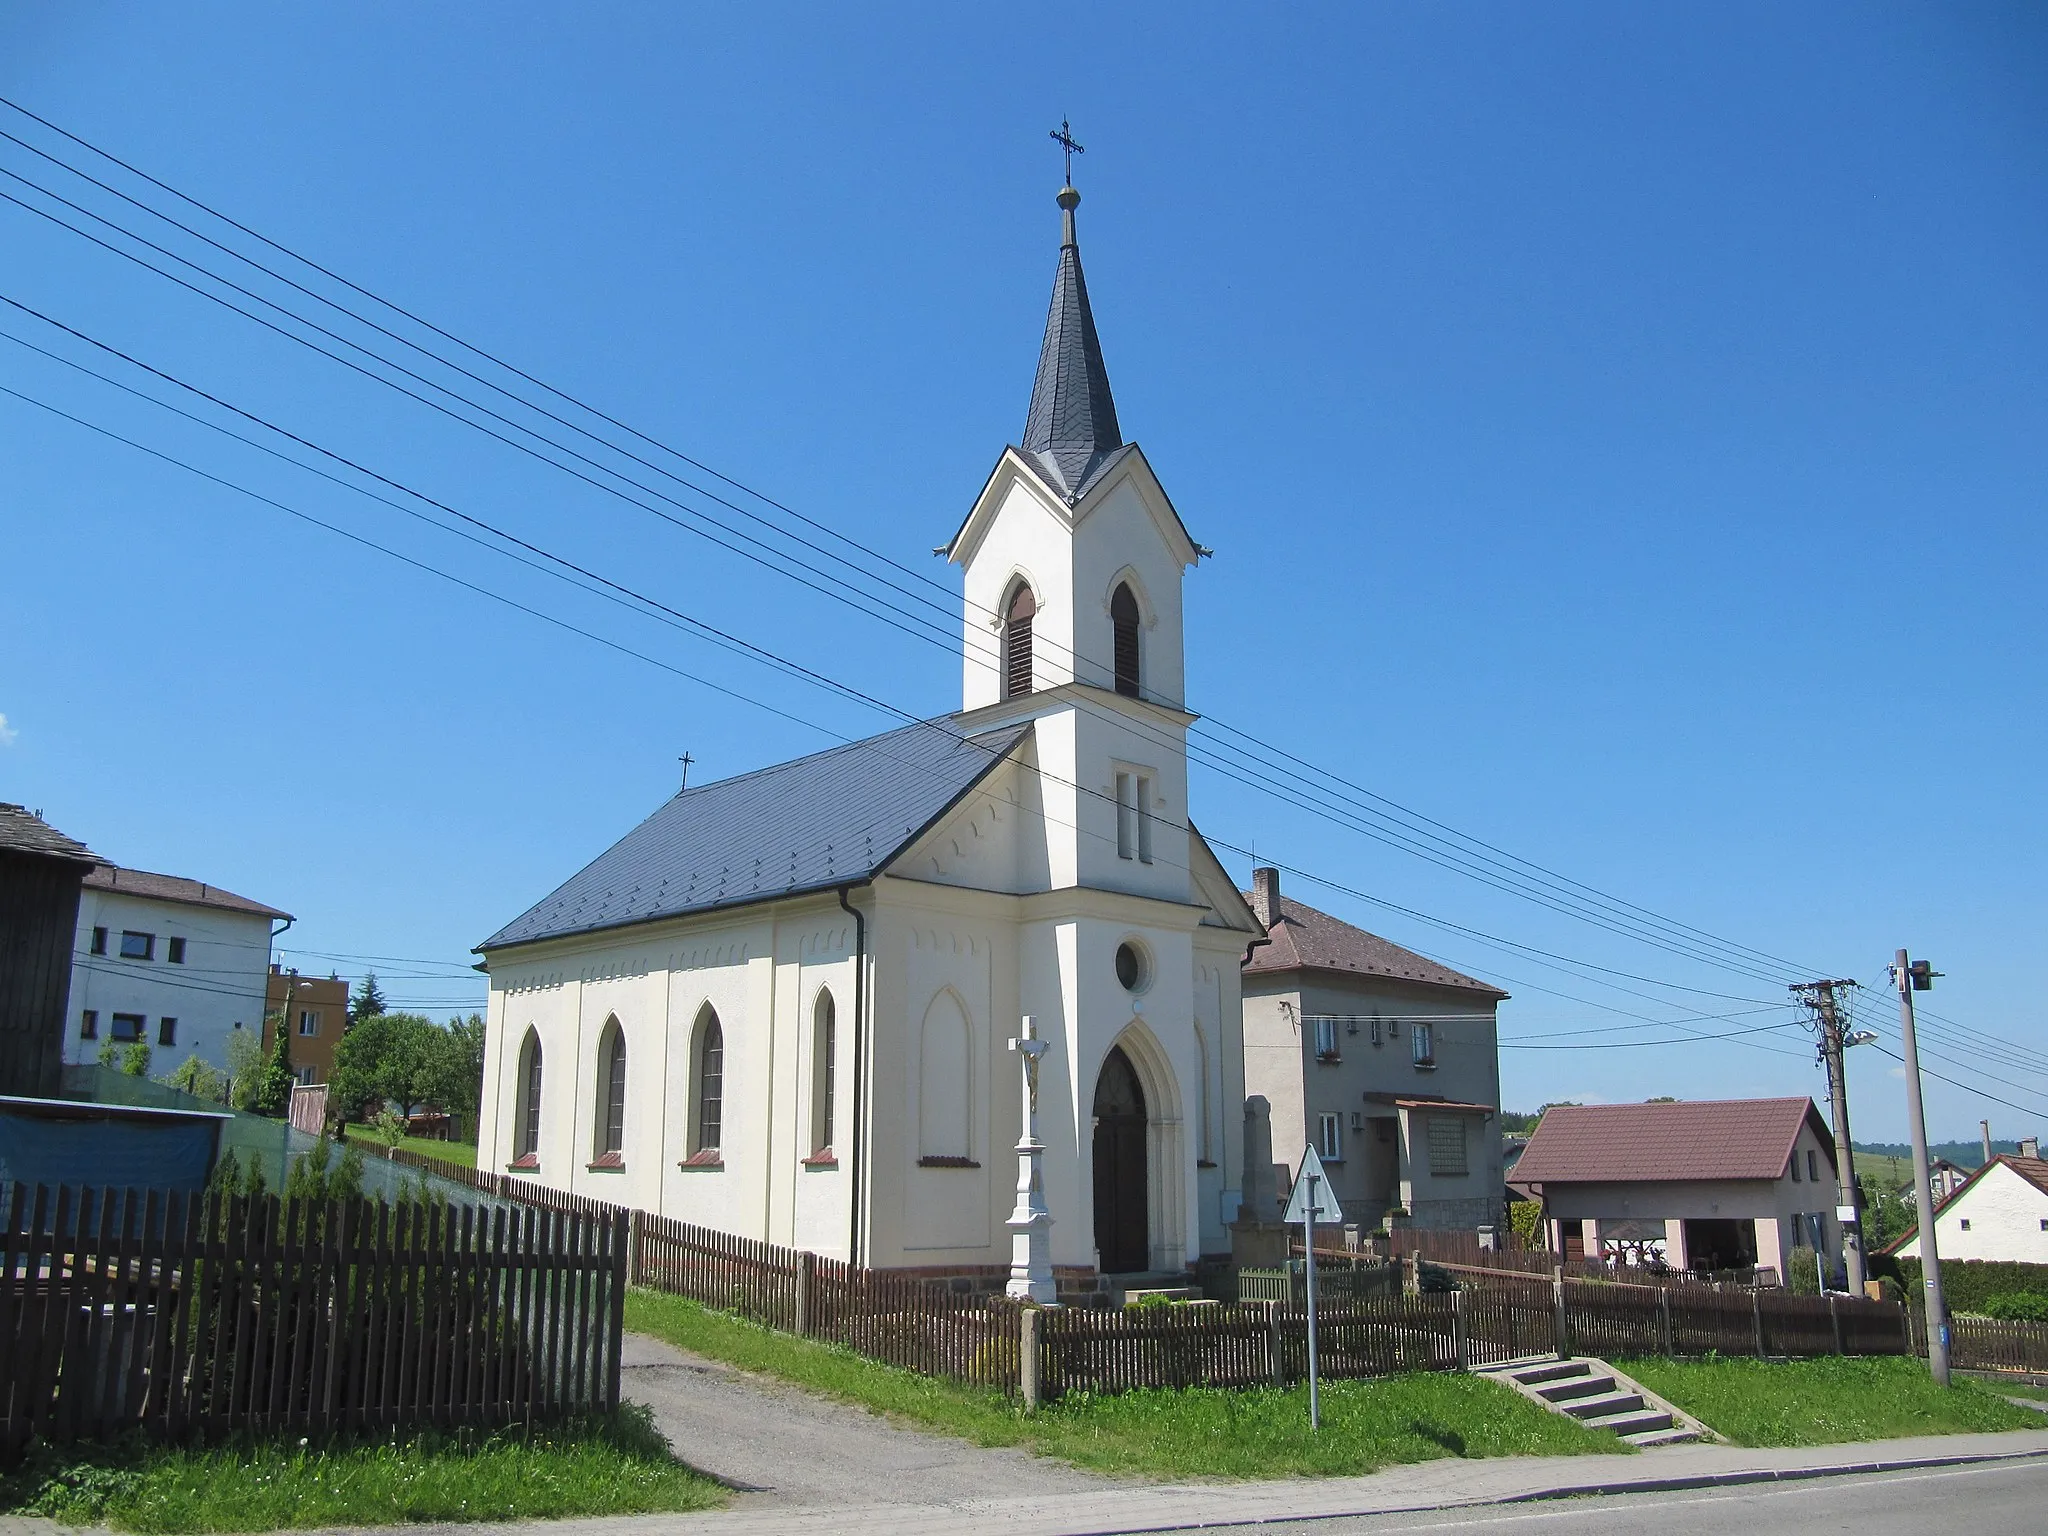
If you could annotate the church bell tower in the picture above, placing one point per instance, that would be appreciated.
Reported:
(1073, 556)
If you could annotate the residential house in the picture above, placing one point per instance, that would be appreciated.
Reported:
(1708, 1185)
(173, 963)
(1999, 1212)
(41, 876)
(1383, 1059)
(315, 1010)
(1944, 1178)
(815, 969)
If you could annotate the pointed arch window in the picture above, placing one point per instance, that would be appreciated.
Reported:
(1123, 620)
(709, 1102)
(526, 1133)
(611, 1089)
(823, 1064)
(1017, 616)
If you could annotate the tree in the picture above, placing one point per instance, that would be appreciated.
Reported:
(245, 1066)
(458, 1078)
(367, 1001)
(195, 1077)
(273, 1094)
(387, 1056)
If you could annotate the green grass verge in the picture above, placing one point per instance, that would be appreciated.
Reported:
(1199, 1432)
(462, 1152)
(1826, 1401)
(615, 1466)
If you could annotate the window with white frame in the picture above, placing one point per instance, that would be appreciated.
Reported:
(1447, 1146)
(1326, 1040)
(1423, 1036)
(309, 1021)
(1330, 1137)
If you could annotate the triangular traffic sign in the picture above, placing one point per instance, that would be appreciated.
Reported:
(1312, 1177)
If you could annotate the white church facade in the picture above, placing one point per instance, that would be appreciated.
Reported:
(780, 1006)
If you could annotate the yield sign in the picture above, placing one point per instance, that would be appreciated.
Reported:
(1312, 1184)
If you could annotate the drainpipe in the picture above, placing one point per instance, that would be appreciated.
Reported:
(860, 995)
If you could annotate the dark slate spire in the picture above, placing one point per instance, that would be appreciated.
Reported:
(1071, 428)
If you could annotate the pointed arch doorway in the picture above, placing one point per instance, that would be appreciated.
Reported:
(1122, 1219)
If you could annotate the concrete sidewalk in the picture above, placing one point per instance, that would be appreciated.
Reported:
(1445, 1484)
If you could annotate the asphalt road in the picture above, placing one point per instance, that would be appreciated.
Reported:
(1999, 1499)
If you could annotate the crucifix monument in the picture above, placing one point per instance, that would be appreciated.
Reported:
(1030, 1222)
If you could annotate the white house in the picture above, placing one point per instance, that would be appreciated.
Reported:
(780, 1005)
(1999, 1212)
(175, 963)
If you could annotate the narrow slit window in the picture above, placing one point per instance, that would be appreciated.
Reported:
(823, 1062)
(527, 1144)
(1126, 815)
(612, 1120)
(1144, 819)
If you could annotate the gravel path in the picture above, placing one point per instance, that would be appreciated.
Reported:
(780, 1446)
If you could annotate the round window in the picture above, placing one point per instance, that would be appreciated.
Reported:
(1131, 969)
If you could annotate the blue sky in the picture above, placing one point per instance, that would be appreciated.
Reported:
(1622, 432)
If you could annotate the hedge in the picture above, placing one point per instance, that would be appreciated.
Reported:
(1969, 1284)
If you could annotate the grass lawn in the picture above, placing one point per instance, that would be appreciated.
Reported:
(1198, 1432)
(610, 1467)
(1826, 1401)
(447, 1151)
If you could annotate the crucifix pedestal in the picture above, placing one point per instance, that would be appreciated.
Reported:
(1030, 1222)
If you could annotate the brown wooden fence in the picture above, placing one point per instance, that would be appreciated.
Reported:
(198, 1315)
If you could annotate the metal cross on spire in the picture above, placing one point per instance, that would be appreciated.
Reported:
(1064, 137)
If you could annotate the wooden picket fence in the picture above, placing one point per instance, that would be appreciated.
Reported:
(1507, 1310)
(198, 1315)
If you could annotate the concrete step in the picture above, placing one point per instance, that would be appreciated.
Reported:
(1629, 1425)
(1606, 1405)
(1592, 1384)
(1556, 1370)
(1677, 1434)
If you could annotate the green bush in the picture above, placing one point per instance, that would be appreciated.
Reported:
(1526, 1218)
(2017, 1307)
(1969, 1284)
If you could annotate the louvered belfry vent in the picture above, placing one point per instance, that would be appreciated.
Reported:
(1017, 642)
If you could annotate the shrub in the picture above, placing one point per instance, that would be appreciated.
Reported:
(2017, 1307)
(1525, 1217)
(1969, 1284)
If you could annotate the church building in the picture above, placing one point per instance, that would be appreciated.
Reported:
(781, 1005)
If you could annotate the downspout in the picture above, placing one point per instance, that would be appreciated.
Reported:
(860, 996)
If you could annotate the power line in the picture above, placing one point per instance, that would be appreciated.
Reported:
(621, 592)
(606, 641)
(1545, 876)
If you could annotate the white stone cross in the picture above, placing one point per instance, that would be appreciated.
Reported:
(1030, 1221)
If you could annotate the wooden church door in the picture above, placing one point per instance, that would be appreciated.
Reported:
(1122, 1236)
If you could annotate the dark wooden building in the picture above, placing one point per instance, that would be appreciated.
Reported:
(41, 872)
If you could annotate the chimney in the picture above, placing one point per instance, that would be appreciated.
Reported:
(1266, 895)
(2030, 1146)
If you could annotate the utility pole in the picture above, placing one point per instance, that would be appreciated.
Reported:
(1820, 999)
(1910, 977)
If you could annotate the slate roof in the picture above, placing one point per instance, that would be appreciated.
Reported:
(192, 893)
(22, 831)
(1667, 1143)
(835, 818)
(1306, 939)
(1070, 432)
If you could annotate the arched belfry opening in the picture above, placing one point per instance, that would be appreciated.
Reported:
(1122, 1178)
(1124, 621)
(1018, 615)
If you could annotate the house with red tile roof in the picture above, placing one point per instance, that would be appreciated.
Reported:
(1706, 1185)
(2000, 1212)
(1383, 1059)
